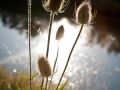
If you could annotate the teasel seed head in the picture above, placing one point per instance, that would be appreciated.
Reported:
(44, 67)
(60, 32)
(56, 6)
(84, 13)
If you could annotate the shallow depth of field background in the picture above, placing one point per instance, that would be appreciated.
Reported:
(95, 62)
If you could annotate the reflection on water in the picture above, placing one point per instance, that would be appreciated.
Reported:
(92, 66)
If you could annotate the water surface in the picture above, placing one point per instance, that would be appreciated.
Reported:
(94, 64)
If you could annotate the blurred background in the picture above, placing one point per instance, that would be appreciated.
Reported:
(95, 63)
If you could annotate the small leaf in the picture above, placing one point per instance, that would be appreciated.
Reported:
(61, 87)
(18, 88)
(34, 75)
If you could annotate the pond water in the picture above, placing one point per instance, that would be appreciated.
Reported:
(94, 64)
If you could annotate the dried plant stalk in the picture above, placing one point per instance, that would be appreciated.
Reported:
(49, 33)
(54, 66)
(29, 39)
(69, 56)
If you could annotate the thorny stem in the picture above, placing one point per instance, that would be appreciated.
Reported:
(54, 65)
(46, 83)
(29, 38)
(50, 26)
(70, 55)
(42, 83)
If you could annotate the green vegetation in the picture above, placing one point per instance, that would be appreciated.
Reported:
(21, 82)
(16, 82)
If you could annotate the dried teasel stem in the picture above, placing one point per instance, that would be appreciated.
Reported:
(29, 39)
(46, 83)
(42, 83)
(49, 33)
(54, 66)
(70, 56)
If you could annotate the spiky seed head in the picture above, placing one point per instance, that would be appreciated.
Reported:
(60, 32)
(44, 67)
(83, 13)
(55, 6)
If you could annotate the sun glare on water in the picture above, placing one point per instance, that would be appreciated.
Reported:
(39, 46)
(65, 44)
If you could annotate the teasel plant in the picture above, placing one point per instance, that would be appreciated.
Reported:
(59, 36)
(54, 7)
(29, 2)
(83, 16)
(44, 68)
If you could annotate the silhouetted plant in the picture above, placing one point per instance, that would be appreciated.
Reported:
(83, 16)
(54, 7)
(44, 68)
(59, 35)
